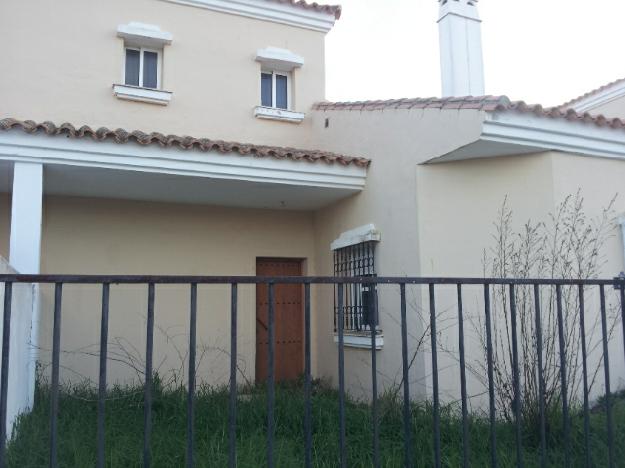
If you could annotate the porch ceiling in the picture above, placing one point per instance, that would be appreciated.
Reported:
(83, 167)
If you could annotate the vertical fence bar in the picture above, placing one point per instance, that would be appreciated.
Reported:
(307, 379)
(491, 383)
(342, 454)
(541, 377)
(621, 287)
(606, 369)
(271, 375)
(435, 397)
(515, 377)
(374, 382)
(232, 462)
(54, 385)
(463, 382)
(404, 361)
(191, 385)
(104, 333)
(582, 331)
(147, 404)
(563, 385)
(4, 378)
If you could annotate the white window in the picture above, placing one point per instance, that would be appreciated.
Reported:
(142, 67)
(275, 89)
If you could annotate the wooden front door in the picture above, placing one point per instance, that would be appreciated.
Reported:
(289, 321)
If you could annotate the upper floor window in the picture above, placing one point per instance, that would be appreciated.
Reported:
(142, 63)
(142, 67)
(275, 89)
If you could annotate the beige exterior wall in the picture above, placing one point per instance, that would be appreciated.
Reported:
(64, 58)
(396, 141)
(5, 224)
(97, 236)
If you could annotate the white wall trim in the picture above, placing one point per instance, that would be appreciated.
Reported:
(273, 113)
(616, 91)
(41, 148)
(140, 94)
(144, 35)
(283, 13)
(365, 233)
(361, 341)
(621, 222)
(279, 59)
(518, 133)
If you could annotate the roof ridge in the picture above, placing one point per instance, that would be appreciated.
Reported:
(323, 8)
(590, 93)
(185, 142)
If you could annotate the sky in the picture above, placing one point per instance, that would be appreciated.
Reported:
(539, 51)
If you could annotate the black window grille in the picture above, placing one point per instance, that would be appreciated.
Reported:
(359, 300)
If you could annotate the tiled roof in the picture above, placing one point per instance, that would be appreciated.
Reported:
(594, 92)
(330, 9)
(481, 103)
(183, 142)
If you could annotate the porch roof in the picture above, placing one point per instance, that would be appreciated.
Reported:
(184, 142)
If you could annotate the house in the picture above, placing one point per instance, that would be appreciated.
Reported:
(273, 180)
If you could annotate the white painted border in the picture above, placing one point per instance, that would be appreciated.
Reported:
(138, 93)
(148, 35)
(279, 59)
(283, 13)
(365, 233)
(16, 145)
(525, 133)
(616, 91)
(361, 341)
(273, 113)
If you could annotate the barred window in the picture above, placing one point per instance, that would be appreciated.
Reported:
(359, 311)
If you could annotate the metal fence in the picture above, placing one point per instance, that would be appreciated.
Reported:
(510, 285)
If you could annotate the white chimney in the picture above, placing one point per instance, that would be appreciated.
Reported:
(460, 33)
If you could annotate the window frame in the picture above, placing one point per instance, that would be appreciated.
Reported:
(141, 50)
(273, 73)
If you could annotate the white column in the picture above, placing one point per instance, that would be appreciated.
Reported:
(460, 36)
(25, 247)
(26, 207)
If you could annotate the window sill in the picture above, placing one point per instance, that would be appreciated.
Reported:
(137, 93)
(361, 340)
(273, 113)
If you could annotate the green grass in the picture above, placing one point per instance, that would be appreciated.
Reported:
(124, 431)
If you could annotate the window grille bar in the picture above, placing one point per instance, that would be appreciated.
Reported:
(233, 376)
(104, 330)
(191, 389)
(54, 385)
(307, 379)
(147, 405)
(4, 379)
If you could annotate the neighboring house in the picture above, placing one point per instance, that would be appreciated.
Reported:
(400, 187)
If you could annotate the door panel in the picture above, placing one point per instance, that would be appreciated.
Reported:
(289, 321)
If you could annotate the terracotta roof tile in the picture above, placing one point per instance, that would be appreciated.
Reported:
(481, 103)
(183, 142)
(330, 9)
(591, 93)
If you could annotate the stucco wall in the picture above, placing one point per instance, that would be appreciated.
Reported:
(64, 58)
(458, 205)
(111, 236)
(396, 141)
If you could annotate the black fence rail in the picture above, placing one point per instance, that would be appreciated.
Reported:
(509, 287)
